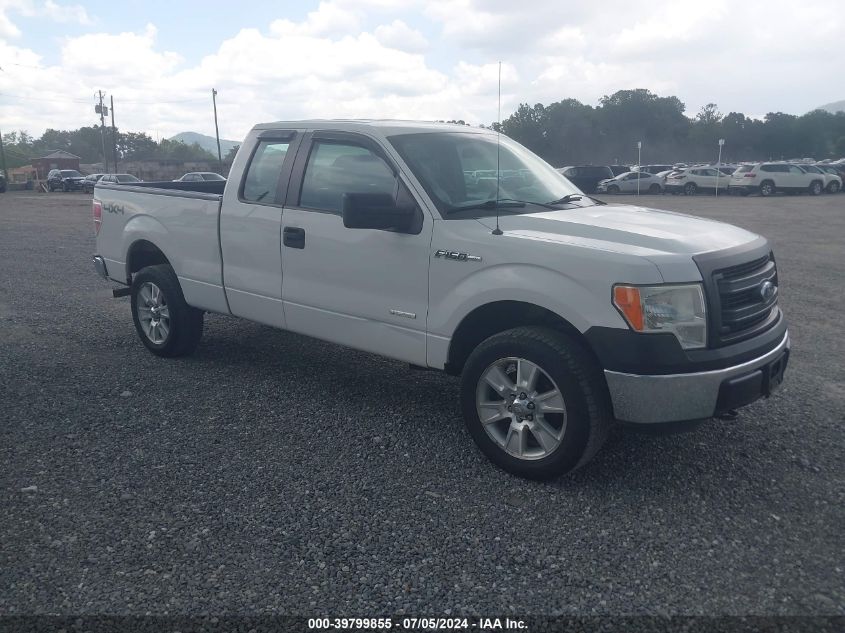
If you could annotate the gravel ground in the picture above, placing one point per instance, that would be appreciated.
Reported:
(275, 474)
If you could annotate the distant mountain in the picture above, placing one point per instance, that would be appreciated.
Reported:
(206, 142)
(833, 108)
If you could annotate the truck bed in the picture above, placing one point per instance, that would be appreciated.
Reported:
(182, 217)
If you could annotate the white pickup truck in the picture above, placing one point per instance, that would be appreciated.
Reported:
(451, 248)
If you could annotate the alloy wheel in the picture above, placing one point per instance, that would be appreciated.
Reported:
(521, 408)
(153, 313)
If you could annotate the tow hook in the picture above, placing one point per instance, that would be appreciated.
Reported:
(730, 414)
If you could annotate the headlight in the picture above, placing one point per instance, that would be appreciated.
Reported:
(671, 308)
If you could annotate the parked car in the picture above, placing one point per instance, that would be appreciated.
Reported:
(619, 169)
(200, 176)
(832, 182)
(769, 178)
(694, 179)
(586, 177)
(120, 179)
(559, 312)
(627, 183)
(834, 170)
(651, 169)
(90, 181)
(64, 179)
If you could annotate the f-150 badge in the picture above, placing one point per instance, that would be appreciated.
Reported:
(458, 257)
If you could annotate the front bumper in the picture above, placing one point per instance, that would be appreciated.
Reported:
(695, 396)
(100, 266)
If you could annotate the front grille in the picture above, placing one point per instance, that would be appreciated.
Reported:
(742, 310)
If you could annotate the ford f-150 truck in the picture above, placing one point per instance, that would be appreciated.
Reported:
(456, 249)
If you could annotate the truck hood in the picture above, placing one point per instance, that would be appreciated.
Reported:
(624, 228)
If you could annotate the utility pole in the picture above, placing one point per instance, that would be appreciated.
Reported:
(217, 130)
(113, 135)
(99, 110)
(3, 157)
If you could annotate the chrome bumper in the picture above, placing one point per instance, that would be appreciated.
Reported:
(676, 397)
(100, 266)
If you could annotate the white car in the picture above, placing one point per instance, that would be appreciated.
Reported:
(632, 182)
(832, 182)
(559, 312)
(694, 179)
(769, 178)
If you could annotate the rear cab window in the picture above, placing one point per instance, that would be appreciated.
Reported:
(261, 179)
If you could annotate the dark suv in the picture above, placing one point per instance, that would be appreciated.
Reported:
(64, 179)
(89, 182)
(586, 177)
(2, 183)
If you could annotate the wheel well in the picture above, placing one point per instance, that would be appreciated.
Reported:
(142, 254)
(492, 318)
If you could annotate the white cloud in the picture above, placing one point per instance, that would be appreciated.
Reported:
(29, 8)
(400, 36)
(432, 60)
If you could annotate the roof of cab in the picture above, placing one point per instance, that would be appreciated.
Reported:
(385, 127)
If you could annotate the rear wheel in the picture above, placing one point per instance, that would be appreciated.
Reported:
(166, 324)
(535, 402)
(815, 188)
(767, 188)
(613, 189)
(833, 187)
(690, 188)
(654, 189)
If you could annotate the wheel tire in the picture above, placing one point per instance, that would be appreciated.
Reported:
(690, 189)
(613, 189)
(570, 369)
(65, 187)
(833, 187)
(767, 188)
(654, 189)
(183, 323)
(815, 188)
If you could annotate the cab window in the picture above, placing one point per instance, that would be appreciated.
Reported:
(262, 175)
(334, 169)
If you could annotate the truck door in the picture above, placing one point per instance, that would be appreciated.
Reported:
(364, 288)
(250, 229)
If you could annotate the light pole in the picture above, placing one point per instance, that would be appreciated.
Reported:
(639, 163)
(718, 164)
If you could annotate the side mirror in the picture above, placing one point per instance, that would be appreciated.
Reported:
(376, 211)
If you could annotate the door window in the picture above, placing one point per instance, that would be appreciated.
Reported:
(262, 176)
(334, 169)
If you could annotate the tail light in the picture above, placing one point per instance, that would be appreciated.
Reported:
(97, 212)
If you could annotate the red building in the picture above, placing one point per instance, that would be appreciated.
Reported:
(59, 159)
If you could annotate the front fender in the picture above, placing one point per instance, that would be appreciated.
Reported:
(581, 304)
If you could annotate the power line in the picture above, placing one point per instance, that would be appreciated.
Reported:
(71, 100)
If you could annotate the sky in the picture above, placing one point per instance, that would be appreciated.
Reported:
(410, 59)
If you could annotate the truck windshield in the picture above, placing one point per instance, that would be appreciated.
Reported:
(460, 169)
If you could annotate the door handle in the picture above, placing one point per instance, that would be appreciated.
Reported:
(293, 237)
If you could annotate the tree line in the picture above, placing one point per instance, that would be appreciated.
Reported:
(569, 132)
(86, 142)
(566, 132)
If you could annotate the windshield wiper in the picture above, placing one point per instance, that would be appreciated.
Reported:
(570, 197)
(501, 203)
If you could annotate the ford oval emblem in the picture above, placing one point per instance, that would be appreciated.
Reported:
(767, 290)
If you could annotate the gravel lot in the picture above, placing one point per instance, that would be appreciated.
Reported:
(271, 473)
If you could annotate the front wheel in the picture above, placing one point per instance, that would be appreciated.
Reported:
(535, 402)
(815, 188)
(833, 187)
(613, 189)
(654, 189)
(690, 188)
(166, 324)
